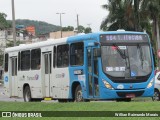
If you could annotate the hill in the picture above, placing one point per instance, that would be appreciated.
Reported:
(40, 26)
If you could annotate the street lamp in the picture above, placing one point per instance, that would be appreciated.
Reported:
(60, 22)
(13, 23)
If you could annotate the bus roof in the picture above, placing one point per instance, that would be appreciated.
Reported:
(71, 39)
(36, 45)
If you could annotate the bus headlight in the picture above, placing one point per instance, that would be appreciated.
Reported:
(150, 83)
(107, 85)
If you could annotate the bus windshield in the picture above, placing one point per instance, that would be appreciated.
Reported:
(135, 59)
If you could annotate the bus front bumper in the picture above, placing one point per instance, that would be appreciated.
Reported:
(114, 94)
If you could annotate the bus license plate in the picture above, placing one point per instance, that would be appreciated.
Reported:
(130, 95)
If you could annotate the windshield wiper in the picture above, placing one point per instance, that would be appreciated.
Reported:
(124, 56)
(141, 55)
(120, 52)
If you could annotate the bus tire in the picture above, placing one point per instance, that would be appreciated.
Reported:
(78, 94)
(27, 94)
(156, 96)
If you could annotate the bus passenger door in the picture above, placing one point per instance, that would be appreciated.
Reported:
(14, 76)
(47, 66)
(92, 68)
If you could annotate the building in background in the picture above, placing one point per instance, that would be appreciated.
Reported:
(31, 30)
(56, 35)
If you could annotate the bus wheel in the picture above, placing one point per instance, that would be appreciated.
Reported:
(27, 94)
(78, 94)
(156, 96)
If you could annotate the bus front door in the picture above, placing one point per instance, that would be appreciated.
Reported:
(14, 76)
(47, 65)
(92, 65)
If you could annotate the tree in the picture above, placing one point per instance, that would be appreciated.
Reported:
(3, 23)
(87, 30)
(121, 15)
(69, 28)
(125, 14)
(1, 57)
(137, 16)
(80, 29)
(152, 10)
(11, 43)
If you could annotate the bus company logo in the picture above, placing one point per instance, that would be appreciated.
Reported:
(62, 75)
(6, 79)
(120, 86)
(36, 77)
(131, 86)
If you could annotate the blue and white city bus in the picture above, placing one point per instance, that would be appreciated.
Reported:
(97, 66)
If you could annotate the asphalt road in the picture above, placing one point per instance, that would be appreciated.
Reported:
(3, 97)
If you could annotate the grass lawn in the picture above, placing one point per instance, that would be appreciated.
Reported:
(88, 106)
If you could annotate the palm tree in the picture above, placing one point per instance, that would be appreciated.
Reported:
(152, 8)
(136, 15)
(121, 15)
(125, 14)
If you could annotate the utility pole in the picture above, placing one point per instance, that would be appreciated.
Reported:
(13, 23)
(89, 25)
(60, 22)
(77, 23)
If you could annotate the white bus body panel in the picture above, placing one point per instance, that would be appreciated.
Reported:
(7, 84)
(33, 78)
(60, 83)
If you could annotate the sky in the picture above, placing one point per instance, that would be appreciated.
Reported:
(90, 11)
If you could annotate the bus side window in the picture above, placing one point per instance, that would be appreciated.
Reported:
(63, 55)
(35, 59)
(25, 60)
(95, 64)
(54, 56)
(19, 61)
(77, 53)
(6, 63)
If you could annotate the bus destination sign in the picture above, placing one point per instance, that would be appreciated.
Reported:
(110, 38)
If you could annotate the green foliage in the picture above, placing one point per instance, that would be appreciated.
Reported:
(83, 106)
(3, 22)
(41, 27)
(126, 14)
(88, 30)
(121, 15)
(1, 59)
(82, 29)
(11, 43)
(69, 28)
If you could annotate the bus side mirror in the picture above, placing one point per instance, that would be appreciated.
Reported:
(97, 52)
